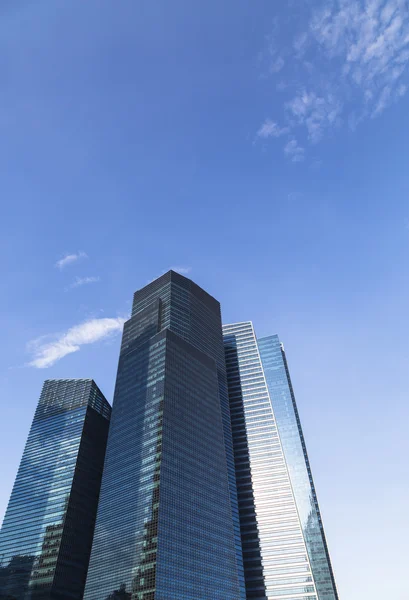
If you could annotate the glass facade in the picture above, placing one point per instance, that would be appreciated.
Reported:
(167, 525)
(46, 538)
(292, 440)
(276, 560)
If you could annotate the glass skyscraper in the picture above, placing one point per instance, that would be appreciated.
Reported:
(292, 439)
(284, 548)
(46, 538)
(168, 524)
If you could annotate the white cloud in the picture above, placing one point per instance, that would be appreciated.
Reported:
(46, 353)
(68, 259)
(382, 101)
(294, 151)
(79, 281)
(300, 44)
(347, 62)
(181, 270)
(273, 58)
(277, 64)
(270, 129)
(316, 113)
(295, 196)
(369, 40)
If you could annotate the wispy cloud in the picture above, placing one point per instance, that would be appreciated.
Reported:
(79, 281)
(293, 151)
(317, 113)
(370, 41)
(270, 129)
(68, 259)
(47, 353)
(347, 62)
(275, 61)
(181, 270)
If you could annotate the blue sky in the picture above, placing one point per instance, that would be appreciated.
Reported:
(260, 147)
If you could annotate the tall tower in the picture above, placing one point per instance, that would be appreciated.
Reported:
(284, 550)
(167, 525)
(46, 538)
(292, 439)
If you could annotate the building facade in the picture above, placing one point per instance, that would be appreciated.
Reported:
(46, 537)
(284, 405)
(168, 524)
(284, 550)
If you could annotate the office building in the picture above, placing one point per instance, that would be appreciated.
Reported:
(284, 405)
(284, 549)
(46, 537)
(168, 525)
(206, 491)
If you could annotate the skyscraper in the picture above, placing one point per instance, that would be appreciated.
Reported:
(292, 439)
(167, 525)
(284, 549)
(46, 538)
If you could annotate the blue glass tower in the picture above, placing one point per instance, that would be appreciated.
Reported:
(284, 549)
(46, 538)
(167, 525)
(292, 439)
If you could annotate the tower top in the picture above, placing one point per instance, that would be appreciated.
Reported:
(162, 287)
